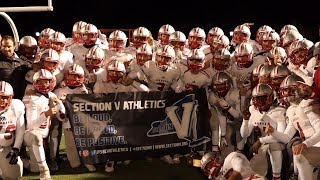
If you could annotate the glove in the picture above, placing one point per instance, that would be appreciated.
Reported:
(13, 154)
(223, 104)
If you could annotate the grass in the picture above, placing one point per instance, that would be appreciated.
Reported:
(140, 169)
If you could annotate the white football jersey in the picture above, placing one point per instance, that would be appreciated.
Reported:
(110, 87)
(66, 60)
(12, 125)
(190, 81)
(161, 80)
(238, 162)
(61, 93)
(312, 66)
(275, 116)
(303, 72)
(36, 106)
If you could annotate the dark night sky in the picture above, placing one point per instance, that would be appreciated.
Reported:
(182, 15)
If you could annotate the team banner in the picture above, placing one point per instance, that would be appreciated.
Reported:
(118, 126)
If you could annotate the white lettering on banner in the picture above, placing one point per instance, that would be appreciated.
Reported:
(106, 151)
(171, 145)
(147, 104)
(110, 129)
(103, 141)
(127, 105)
(84, 118)
(142, 148)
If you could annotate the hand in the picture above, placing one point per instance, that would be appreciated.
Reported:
(269, 129)
(52, 111)
(125, 80)
(255, 147)
(55, 99)
(297, 149)
(223, 143)
(224, 104)
(246, 114)
(13, 154)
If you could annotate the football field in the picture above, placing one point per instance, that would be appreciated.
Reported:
(137, 169)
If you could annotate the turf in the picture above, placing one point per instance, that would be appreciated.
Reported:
(140, 169)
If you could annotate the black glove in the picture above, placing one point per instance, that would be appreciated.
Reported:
(13, 154)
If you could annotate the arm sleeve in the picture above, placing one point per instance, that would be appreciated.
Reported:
(315, 123)
(140, 87)
(246, 128)
(20, 126)
(287, 135)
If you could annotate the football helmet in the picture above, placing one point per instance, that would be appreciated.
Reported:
(43, 39)
(211, 165)
(196, 38)
(74, 76)
(164, 57)
(261, 31)
(219, 42)
(195, 60)
(6, 95)
(255, 75)
(278, 55)
(277, 75)
(288, 27)
(289, 37)
(288, 90)
(94, 58)
(57, 41)
(213, 32)
(300, 51)
(264, 74)
(316, 50)
(243, 54)
(140, 36)
(164, 34)
(178, 40)
(269, 40)
(43, 81)
(90, 35)
(262, 97)
(116, 70)
(241, 34)
(28, 47)
(144, 54)
(221, 83)
(50, 59)
(221, 60)
(117, 40)
(77, 31)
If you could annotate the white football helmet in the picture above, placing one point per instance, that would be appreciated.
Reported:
(289, 89)
(164, 57)
(44, 81)
(50, 59)
(221, 59)
(261, 31)
(278, 55)
(116, 70)
(77, 31)
(144, 54)
(269, 40)
(277, 75)
(219, 42)
(213, 32)
(94, 58)
(164, 33)
(28, 47)
(241, 34)
(300, 51)
(288, 27)
(262, 97)
(243, 54)
(74, 76)
(211, 165)
(6, 95)
(221, 83)
(195, 60)
(288, 37)
(140, 36)
(43, 39)
(57, 41)
(117, 40)
(196, 38)
(316, 50)
(90, 35)
(178, 40)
